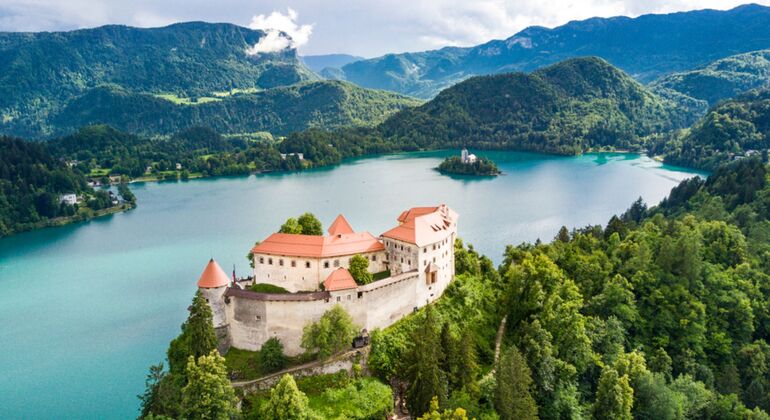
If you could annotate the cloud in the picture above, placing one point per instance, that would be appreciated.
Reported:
(282, 31)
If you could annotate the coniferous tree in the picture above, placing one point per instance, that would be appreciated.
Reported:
(467, 363)
(286, 402)
(426, 379)
(197, 338)
(208, 393)
(614, 396)
(513, 400)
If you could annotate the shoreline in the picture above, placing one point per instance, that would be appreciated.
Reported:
(69, 220)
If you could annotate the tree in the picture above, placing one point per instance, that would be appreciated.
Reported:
(563, 235)
(197, 338)
(359, 269)
(291, 226)
(467, 362)
(286, 401)
(614, 396)
(426, 379)
(149, 400)
(435, 414)
(310, 224)
(208, 393)
(514, 382)
(331, 334)
(271, 357)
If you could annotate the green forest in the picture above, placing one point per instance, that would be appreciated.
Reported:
(31, 183)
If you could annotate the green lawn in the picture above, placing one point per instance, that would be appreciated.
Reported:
(171, 97)
(381, 275)
(267, 288)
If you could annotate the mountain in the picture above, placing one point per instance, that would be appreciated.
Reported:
(159, 80)
(722, 79)
(325, 104)
(646, 47)
(317, 63)
(565, 108)
(733, 129)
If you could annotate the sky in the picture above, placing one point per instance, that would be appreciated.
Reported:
(366, 28)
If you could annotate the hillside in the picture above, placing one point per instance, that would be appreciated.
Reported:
(160, 80)
(31, 183)
(733, 129)
(646, 47)
(722, 79)
(317, 63)
(566, 108)
(326, 104)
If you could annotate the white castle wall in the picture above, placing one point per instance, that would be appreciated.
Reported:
(252, 321)
(300, 277)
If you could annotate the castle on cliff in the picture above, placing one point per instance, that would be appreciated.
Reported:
(413, 263)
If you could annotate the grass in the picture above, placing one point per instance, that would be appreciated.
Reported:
(267, 288)
(236, 91)
(381, 275)
(243, 363)
(171, 97)
(99, 172)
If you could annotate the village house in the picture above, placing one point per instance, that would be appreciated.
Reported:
(416, 258)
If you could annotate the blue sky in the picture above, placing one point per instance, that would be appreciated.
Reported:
(361, 27)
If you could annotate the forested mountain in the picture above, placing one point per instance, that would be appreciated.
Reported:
(319, 62)
(722, 79)
(566, 108)
(646, 47)
(325, 104)
(733, 129)
(155, 80)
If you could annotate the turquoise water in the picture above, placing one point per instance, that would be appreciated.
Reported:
(86, 308)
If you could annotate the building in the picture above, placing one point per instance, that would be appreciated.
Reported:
(70, 199)
(467, 158)
(415, 260)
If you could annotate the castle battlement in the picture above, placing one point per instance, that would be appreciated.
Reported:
(418, 254)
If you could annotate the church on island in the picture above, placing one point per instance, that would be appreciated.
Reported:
(412, 264)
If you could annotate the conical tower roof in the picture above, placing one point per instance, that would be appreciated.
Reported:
(213, 276)
(340, 226)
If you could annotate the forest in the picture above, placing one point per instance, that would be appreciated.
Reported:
(31, 183)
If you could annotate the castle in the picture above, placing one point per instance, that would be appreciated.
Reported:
(413, 263)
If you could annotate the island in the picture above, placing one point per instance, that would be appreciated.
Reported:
(468, 164)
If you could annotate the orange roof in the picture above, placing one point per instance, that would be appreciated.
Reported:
(423, 225)
(339, 279)
(293, 245)
(213, 276)
(339, 226)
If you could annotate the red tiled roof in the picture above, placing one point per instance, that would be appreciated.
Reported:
(293, 245)
(339, 279)
(213, 276)
(423, 225)
(339, 226)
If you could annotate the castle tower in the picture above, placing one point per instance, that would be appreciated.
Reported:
(212, 285)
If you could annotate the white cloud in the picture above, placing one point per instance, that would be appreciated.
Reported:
(282, 31)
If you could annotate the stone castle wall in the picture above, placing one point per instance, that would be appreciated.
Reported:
(256, 317)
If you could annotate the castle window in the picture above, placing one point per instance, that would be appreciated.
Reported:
(348, 297)
(360, 295)
(374, 258)
(307, 264)
(261, 260)
(425, 249)
(270, 261)
(326, 264)
(338, 298)
(336, 263)
(259, 318)
(293, 263)
(280, 262)
(434, 247)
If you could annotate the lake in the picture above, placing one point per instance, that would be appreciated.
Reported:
(86, 308)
